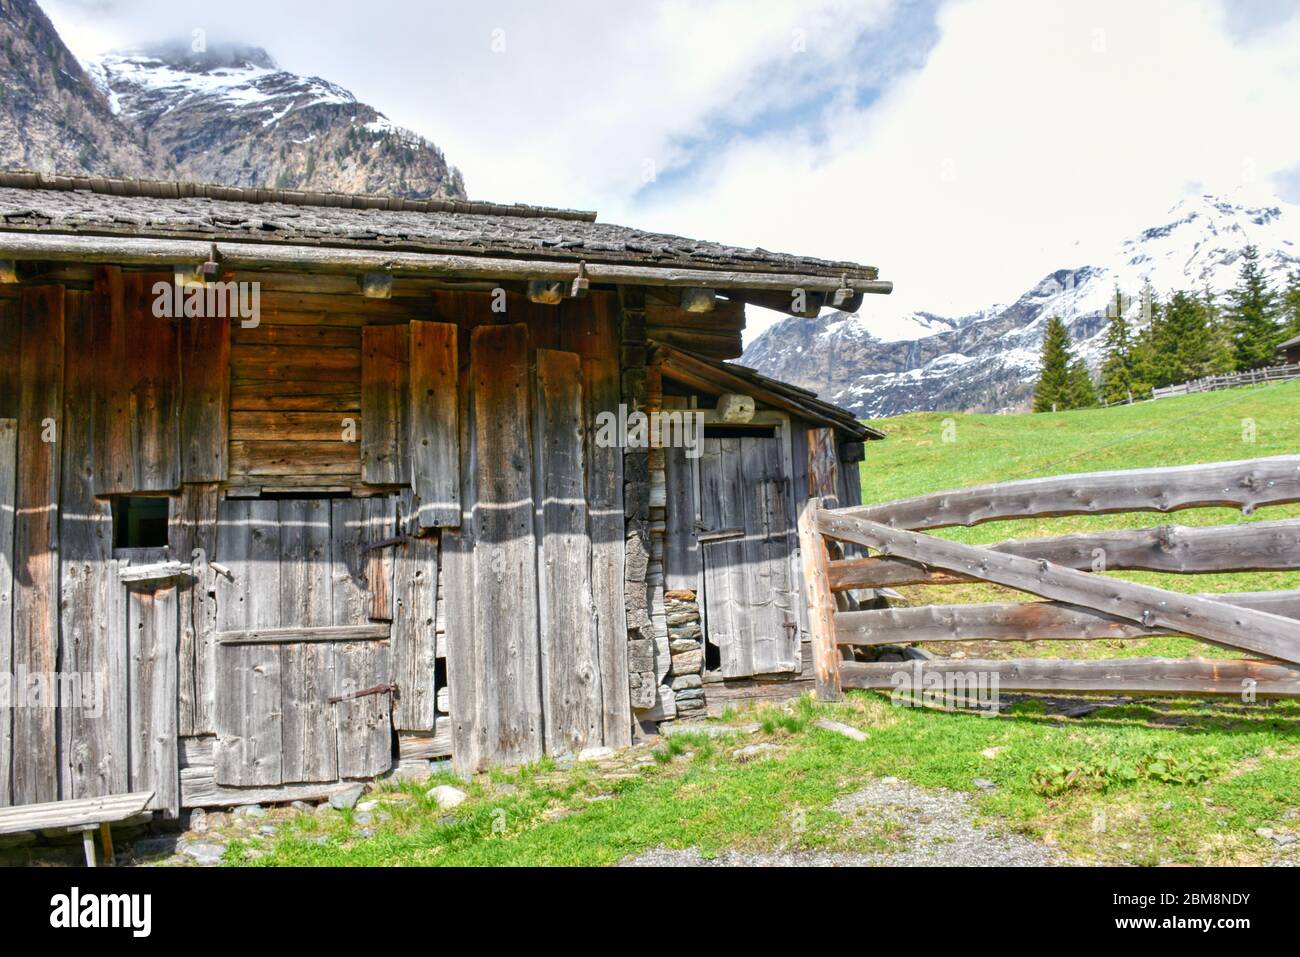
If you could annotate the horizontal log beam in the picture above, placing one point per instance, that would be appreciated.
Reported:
(1263, 679)
(161, 571)
(1254, 546)
(1246, 485)
(139, 251)
(287, 636)
(1214, 621)
(1020, 621)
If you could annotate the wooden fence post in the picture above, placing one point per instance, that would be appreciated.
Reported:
(821, 603)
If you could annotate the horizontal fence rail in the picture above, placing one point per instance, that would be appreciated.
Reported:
(1282, 373)
(1244, 485)
(1252, 547)
(1080, 603)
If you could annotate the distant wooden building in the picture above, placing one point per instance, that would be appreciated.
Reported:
(298, 488)
(1289, 351)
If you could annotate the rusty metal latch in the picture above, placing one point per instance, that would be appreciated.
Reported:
(377, 689)
(387, 542)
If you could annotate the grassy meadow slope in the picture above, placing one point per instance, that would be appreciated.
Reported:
(930, 451)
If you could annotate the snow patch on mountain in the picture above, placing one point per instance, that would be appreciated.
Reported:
(988, 361)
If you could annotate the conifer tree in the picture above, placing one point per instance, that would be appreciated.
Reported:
(1252, 308)
(1052, 393)
(1291, 306)
(1146, 361)
(1117, 369)
(1185, 342)
(1223, 357)
(1081, 393)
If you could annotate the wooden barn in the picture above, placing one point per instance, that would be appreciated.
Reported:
(1289, 351)
(297, 489)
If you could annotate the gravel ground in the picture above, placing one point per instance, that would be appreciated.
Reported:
(938, 832)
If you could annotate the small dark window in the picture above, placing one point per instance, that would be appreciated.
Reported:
(739, 431)
(140, 522)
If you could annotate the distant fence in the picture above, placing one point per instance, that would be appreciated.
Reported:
(1215, 382)
(1081, 605)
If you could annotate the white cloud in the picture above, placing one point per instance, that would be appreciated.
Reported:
(1030, 128)
(965, 174)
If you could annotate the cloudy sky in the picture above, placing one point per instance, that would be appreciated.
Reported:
(966, 147)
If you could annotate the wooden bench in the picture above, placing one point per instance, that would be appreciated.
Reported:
(84, 816)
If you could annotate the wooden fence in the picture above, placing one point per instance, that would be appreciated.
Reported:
(1081, 604)
(1215, 382)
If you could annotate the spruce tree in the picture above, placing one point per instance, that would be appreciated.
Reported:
(1291, 306)
(1146, 360)
(1081, 393)
(1252, 308)
(1223, 358)
(1117, 372)
(1185, 342)
(1052, 393)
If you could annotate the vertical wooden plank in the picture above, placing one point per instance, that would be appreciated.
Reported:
(413, 653)
(153, 634)
(308, 732)
(590, 328)
(733, 593)
(379, 523)
(823, 467)
(36, 540)
(349, 562)
(504, 553)
(10, 341)
(85, 549)
(8, 479)
(155, 369)
(799, 495)
(247, 713)
(570, 656)
(681, 547)
(365, 735)
(435, 433)
(385, 380)
(821, 604)
(466, 685)
(193, 539)
(114, 460)
(768, 532)
(205, 399)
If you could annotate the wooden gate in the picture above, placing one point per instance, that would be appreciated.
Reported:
(1081, 603)
(750, 597)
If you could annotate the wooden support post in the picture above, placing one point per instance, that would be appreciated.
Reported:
(88, 843)
(106, 842)
(821, 603)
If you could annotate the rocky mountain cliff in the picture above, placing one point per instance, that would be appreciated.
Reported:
(52, 117)
(225, 115)
(988, 361)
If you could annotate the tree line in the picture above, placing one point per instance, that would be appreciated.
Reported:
(1186, 336)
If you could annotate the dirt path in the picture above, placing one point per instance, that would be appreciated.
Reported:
(932, 829)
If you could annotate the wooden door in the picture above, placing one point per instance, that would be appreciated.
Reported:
(303, 623)
(750, 596)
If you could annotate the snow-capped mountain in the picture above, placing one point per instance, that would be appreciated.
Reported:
(226, 115)
(230, 115)
(989, 360)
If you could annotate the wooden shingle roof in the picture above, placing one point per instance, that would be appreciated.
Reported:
(31, 202)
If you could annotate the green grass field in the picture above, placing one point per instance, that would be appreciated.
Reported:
(1144, 782)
